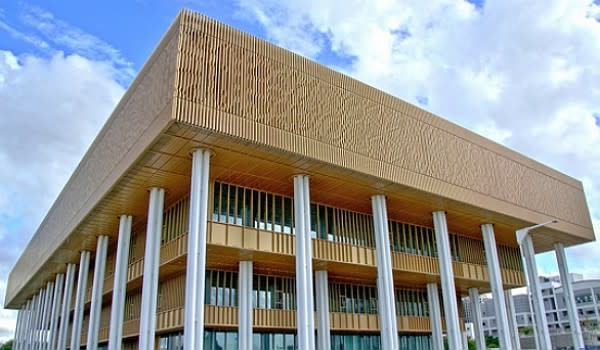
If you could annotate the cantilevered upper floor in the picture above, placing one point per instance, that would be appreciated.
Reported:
(268, 114)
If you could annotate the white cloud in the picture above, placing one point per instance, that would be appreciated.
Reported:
(51, 110)
(44, 31)
(523, 73)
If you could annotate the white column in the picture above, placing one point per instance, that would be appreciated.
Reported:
(538, 312)
(476, 314)
(512, 321)
(435, 316)
(245, 319)
(17, 328)
(385, 281)
(151, 263)
(29, 344)
(447, 279)
(66, 306)
(565, 281)
(43, 335)
(24, 327)
(21, 323)
(97, 287)
(304, 275)
(196, 262)
(120, 284)
(55, 311)
(322, 300)
(84, 268)
(35, 339)
(29, 324)
(493, 265)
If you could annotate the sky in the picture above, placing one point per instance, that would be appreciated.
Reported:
(523, 73)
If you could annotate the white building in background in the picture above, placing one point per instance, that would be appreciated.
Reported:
(587, 299)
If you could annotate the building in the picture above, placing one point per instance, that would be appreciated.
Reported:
(239, 189)
(587, 299)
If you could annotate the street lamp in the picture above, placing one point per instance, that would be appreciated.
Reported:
(542, 336)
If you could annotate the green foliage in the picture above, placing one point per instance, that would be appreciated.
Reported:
(526, 330)
(470, 343)
(7, 346)
(492, 342)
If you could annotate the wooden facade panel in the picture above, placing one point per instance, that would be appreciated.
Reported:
(248, 238)
(287, 107)
(169, 320)
(341, 321)
(274, 319)
(135, 269)
(415, 263)
(220, 316)
(173, 249)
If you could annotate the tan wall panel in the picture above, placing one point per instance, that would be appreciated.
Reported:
(169, 319)
(220, 316)
(243, 87)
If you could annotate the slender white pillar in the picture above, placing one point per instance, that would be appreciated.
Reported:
(30, 318)
(35, 339)
(304, 274)
(435, 316)
(196, 261)
(512, 321)
(55, 311)
(447, 279)
(43, 335)
(97, 287)
(493, 265)
(539, 312)
(385, 281)
(27, 325)
(245, 305)
(66, 306)
(151, 262)
(21, 320)
(29, 344)
(16, 337)
(565, 281)
(322, 301)
(24, 327)
(120, 284)
(27, 331)
(476, 314)
(84, 268)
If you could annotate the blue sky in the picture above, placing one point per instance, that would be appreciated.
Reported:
(523, 73)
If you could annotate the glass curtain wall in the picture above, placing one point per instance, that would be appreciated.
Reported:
(236, 205)
(274, 292)
(372, 342)
(221, 288)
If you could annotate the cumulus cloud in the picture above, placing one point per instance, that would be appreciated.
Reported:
(51, 110)
(522, 73)
(54, 99)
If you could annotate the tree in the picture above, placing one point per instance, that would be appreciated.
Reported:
(7, 346)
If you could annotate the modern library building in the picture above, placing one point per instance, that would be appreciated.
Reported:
(241, 196)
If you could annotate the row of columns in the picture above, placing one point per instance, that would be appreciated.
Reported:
(42, 322)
